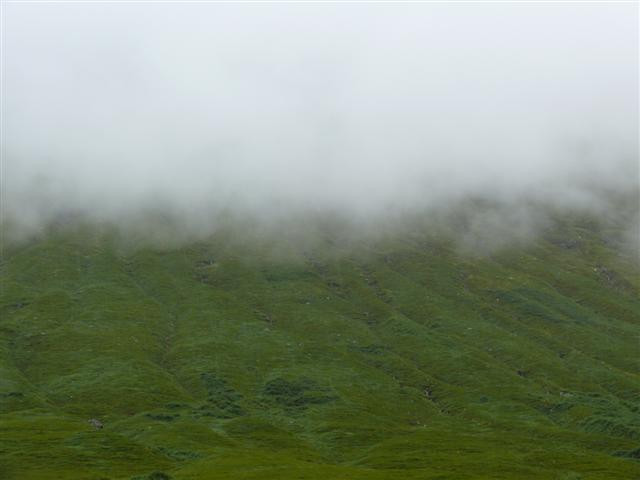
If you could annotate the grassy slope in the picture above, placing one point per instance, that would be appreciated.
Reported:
(390, 359)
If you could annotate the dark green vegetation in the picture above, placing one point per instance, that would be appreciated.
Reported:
(388, 358)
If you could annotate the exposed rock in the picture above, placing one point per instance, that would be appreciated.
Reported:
(96, 423)
(209, 262)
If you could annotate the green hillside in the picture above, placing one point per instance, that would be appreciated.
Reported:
(320, 356)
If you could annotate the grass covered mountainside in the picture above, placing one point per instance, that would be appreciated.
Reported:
(395, 357)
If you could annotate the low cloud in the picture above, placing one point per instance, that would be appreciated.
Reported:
(112, 111)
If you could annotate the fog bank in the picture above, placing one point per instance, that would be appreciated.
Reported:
(274, 110)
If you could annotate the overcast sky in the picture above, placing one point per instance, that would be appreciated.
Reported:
(110, 108)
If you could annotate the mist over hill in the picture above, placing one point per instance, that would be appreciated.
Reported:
(327, 241)
(278, 110)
